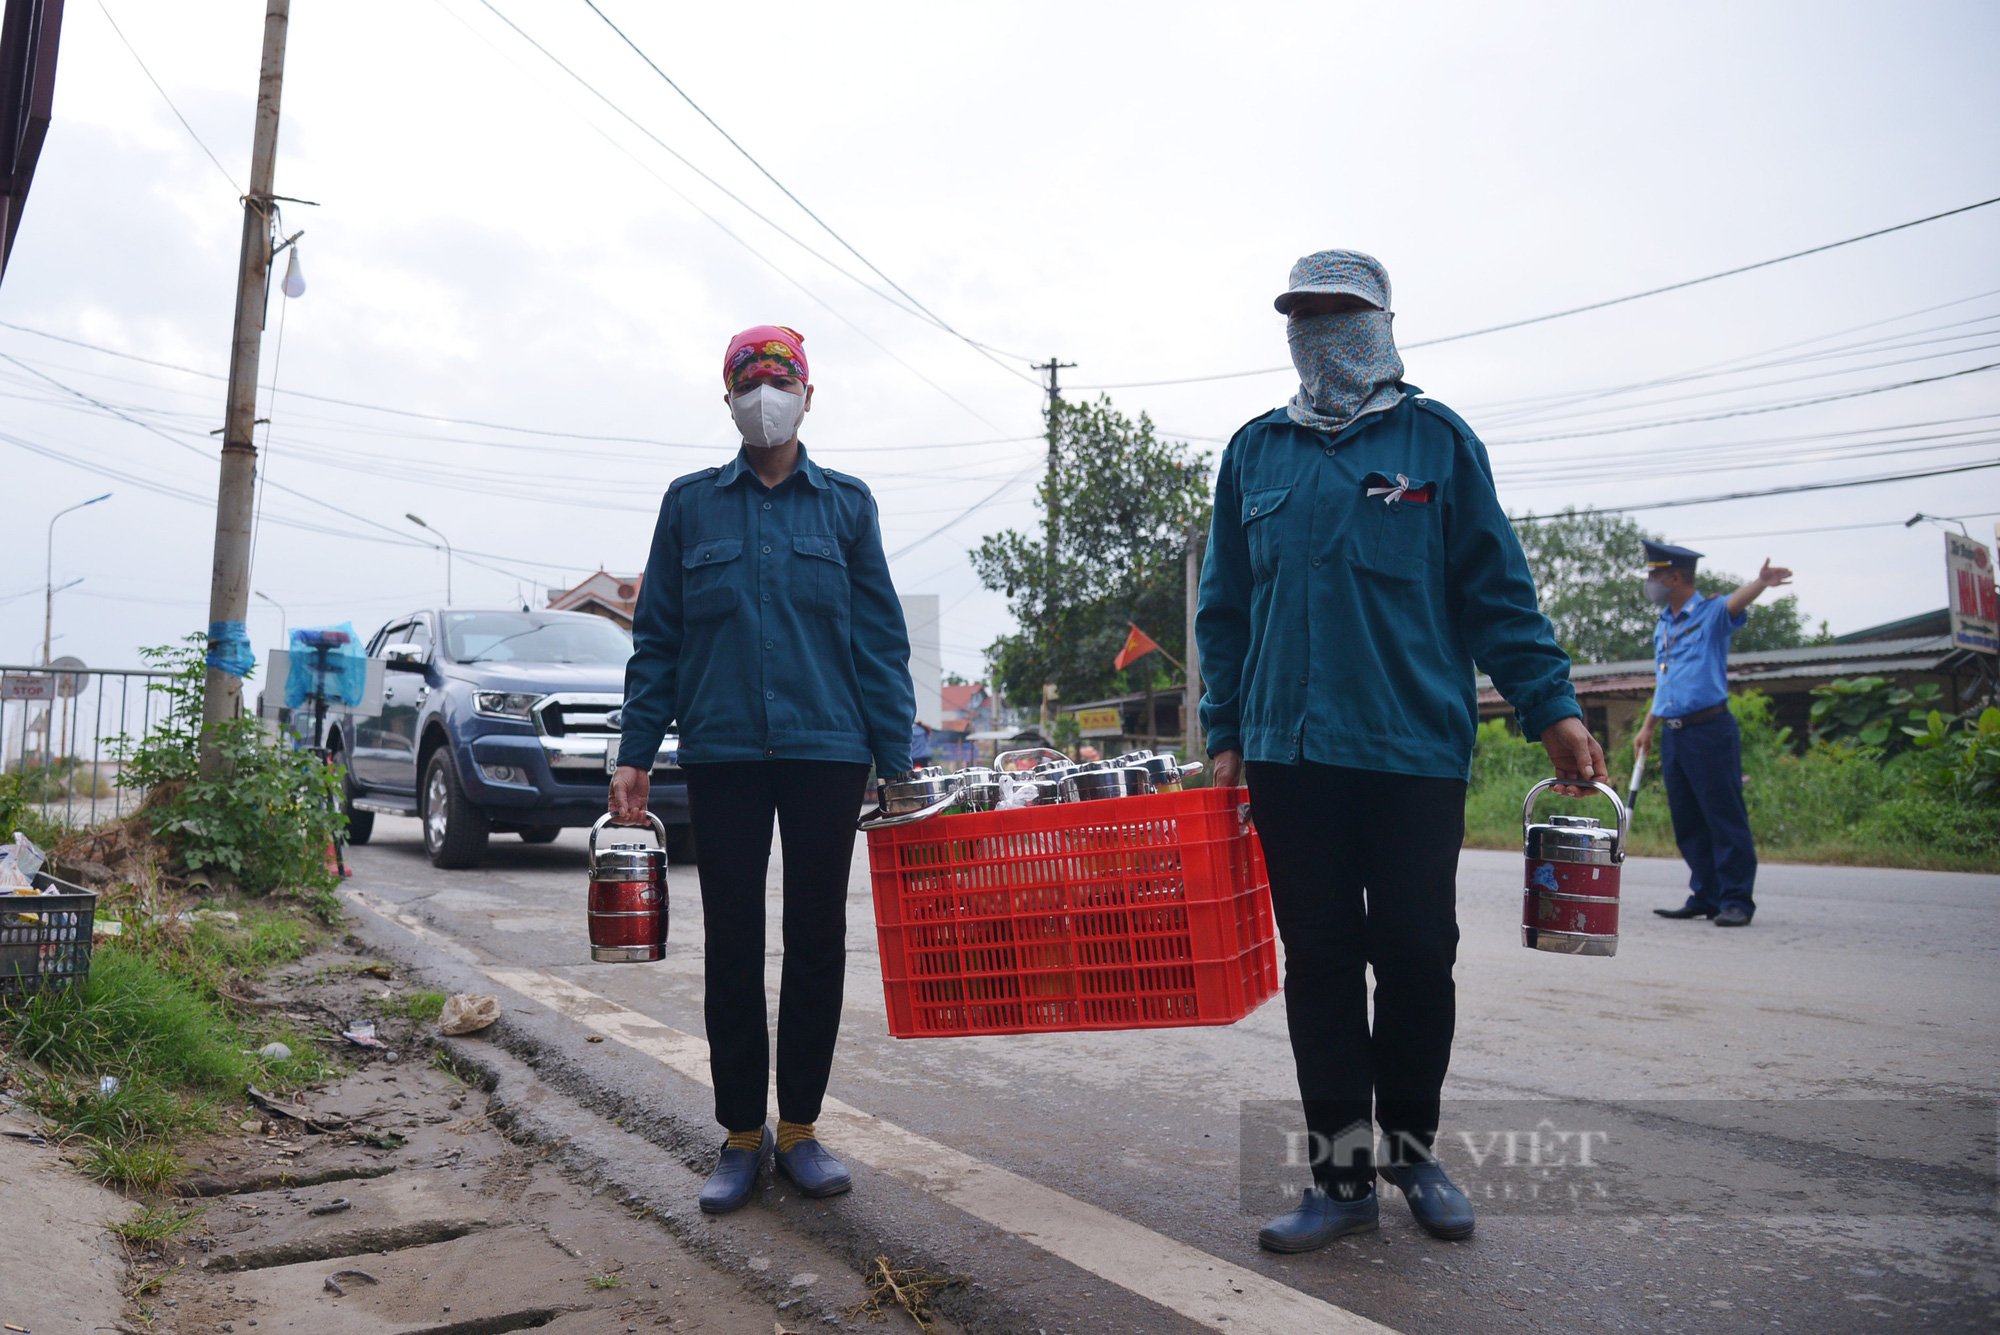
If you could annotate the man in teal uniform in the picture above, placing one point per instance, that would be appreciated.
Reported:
(1360, 566)
(1701, 761)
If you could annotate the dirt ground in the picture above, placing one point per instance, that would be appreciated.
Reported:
(389, 1202)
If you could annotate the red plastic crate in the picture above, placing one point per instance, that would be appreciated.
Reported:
(1132, 913)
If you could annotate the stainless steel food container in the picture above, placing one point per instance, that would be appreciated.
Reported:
(916, 790)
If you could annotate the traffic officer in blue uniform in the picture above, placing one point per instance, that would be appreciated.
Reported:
(1360, 568)
(1701, 760)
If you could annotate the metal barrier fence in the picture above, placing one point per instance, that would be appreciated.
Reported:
(61, 731)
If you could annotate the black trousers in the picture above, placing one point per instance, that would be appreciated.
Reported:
(1364, 869)
(1701, 767)
(731, 805)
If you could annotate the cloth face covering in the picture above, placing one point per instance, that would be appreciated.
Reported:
(1348, 367)
(767, 415)
(765, 350)
(1656, 593)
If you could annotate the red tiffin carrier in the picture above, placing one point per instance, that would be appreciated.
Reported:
(1131, 913)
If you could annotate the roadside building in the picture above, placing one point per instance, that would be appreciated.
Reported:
(613, 597)
(1915, 649)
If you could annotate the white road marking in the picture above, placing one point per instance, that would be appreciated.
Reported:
(1206, 1289)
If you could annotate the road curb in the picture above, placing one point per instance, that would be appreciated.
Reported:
(593, 1116)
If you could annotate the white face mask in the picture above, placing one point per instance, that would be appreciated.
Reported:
(1656, 593)
(767, 416)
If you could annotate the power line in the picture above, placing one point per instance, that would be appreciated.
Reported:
(1706, 278)
(979, 504)
(1750, 495)
(721, 226)
(1579, 310)
(289, 491)
(1830, 528)
(462, 421)
(168, 100)
(826, 227)
(1746, 412)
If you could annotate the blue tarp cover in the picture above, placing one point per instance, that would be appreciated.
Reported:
(346, 667)
(229, 648)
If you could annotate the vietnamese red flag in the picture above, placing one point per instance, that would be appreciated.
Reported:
(1137, 645)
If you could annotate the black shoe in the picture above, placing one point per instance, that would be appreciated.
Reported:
(734, 1178)
(1733, 915)
(1438, 1205)
(1685, 911)
(1319, 1220)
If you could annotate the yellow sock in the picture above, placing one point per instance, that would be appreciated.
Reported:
(791, 1133)
(746, 1140)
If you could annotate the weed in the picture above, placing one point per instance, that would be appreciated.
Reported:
(158, 1223)
(911, 1290)
(607, 1280)
(148, 1166)
(421, 1006)
(265, 821)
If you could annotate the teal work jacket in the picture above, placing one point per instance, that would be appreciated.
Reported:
(767, 626)
(1353, 582)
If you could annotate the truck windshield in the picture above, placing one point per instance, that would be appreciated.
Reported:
(534, 637)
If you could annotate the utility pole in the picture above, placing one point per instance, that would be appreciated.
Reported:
(1191, 741)
(229, 584)
(1053, 367)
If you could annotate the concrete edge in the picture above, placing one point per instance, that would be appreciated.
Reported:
(603, 1131)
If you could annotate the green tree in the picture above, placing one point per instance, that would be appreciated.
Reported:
(1588, 568)
(1123, 500)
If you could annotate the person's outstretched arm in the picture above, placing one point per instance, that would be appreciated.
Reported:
(1770, 577)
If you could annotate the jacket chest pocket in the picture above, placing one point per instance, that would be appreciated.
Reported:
(1264, 538)
(819, 573)
(1395, 540)
(710, 572)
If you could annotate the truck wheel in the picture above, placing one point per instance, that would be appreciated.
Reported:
(540, 834)
(455, 831)
(680, 844)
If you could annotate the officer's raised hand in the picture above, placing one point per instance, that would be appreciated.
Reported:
(1576, 756)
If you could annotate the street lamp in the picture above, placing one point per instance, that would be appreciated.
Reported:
(447, 554)
(49, 585)
(284, 621)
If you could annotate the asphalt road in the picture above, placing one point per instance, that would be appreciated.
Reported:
(1748, 1175)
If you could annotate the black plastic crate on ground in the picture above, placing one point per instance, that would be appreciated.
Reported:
(45, 939)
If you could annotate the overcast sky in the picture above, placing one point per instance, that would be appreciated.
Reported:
(1124, 186)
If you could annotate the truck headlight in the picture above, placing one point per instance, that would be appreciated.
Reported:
(504, 704)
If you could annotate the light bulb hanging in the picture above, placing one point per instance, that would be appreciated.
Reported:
(295, 281)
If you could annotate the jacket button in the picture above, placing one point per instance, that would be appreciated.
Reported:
(769, 645)
(1329, 453)
(767, 549)
(770, 695)
(767, 597)
(1253, 509)
(1315, 563)
(771, 752)
(1303, 680)
(767, 505)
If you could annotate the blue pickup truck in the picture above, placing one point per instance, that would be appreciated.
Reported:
(496, 721)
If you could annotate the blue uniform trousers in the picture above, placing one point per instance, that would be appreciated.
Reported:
(1701, 766)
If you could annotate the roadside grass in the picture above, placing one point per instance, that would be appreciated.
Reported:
(158, 1223)
(1833, 804)
(155, 1014)
(421, 1006)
